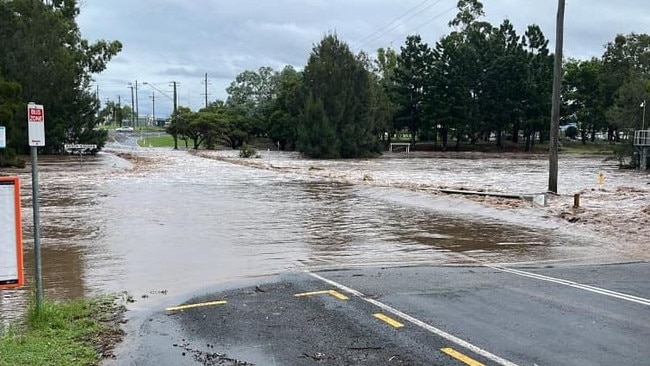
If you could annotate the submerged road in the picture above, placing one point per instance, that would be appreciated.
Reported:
(442, 315)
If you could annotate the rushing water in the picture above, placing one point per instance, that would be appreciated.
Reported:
(176, 223)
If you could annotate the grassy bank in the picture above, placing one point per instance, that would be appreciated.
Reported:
(158, 141)
(76, 333)
(590, 148)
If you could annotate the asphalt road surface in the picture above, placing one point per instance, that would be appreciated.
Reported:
(483, 315)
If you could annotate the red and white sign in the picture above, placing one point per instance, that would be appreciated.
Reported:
(36, 122)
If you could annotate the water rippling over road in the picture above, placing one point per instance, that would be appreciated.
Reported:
(170, 221)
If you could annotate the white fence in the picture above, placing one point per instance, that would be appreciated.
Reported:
(642, 138)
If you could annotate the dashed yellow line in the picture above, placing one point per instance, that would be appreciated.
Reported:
(183, 307)
(461, 357)
(389, 320)
(338, 295)
(334, 293)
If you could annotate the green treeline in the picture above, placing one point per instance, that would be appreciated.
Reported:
(481, 83)
(44, 59)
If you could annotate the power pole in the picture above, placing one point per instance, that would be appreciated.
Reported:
(99, 102)
(206, 90)
(153, 107)
(174, 117)
(118, 114)
(137, 114)
(132, 106)
(555, 109)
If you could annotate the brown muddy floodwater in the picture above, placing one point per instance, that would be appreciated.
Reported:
(176, 223)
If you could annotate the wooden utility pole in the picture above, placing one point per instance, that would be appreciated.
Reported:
(555, 109)
(153, 108)
(206, 90)
(132, 106)
(137, 111)
(118, 114)
(175, 112)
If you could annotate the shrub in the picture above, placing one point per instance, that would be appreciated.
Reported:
(248, 152)
(571, 132)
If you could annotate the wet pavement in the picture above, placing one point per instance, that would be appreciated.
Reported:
(419, 315)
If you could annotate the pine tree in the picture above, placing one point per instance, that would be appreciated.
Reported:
(336, 118)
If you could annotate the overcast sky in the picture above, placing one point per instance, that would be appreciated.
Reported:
(181, 40)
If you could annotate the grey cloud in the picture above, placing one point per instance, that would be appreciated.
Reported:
(181, 39)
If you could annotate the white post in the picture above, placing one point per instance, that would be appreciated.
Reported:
(643, 125)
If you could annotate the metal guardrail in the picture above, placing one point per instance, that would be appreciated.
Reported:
(642, 138)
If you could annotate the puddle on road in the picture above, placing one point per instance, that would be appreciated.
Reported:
(197, 222)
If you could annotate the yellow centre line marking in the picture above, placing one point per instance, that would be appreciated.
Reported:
(312, 293)
(183, 307)
(338, 295)
(334, 293)
(389, 320)
(461, 357)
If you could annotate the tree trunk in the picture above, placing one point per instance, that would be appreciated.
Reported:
(444, 136)
(610, 133)
(515, 132)
(499, 140)
(412, 124)
(528, 141)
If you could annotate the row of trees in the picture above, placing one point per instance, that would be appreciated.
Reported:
(604, 94)
(44, 59)
(480, 82)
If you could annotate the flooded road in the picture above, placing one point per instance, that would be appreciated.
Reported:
(173, 223)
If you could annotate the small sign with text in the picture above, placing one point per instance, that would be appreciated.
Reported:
(36, 122)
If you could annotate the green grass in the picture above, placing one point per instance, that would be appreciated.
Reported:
(577, 147)
(162, 141)
(66, 334)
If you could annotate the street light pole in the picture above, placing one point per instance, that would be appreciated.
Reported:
(137, 114)
(643, 125)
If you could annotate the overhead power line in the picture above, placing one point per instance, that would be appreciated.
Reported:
(392, 22)
(427, 22)
(395, 24)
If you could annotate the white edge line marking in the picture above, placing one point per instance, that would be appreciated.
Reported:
(598, 290)
(419, 323)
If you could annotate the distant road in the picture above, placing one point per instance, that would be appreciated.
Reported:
(127, 140)
(585, 315)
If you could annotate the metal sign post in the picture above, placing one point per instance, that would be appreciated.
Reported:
(36, 122)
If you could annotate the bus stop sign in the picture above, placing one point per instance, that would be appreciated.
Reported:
(36, 124)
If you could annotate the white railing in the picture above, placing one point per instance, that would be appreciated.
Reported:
(642, 138)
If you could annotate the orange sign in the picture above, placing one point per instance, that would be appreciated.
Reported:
(11, 237)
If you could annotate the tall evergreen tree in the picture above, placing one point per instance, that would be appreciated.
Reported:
(41, 48)
(336, 118)
(410, 77)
